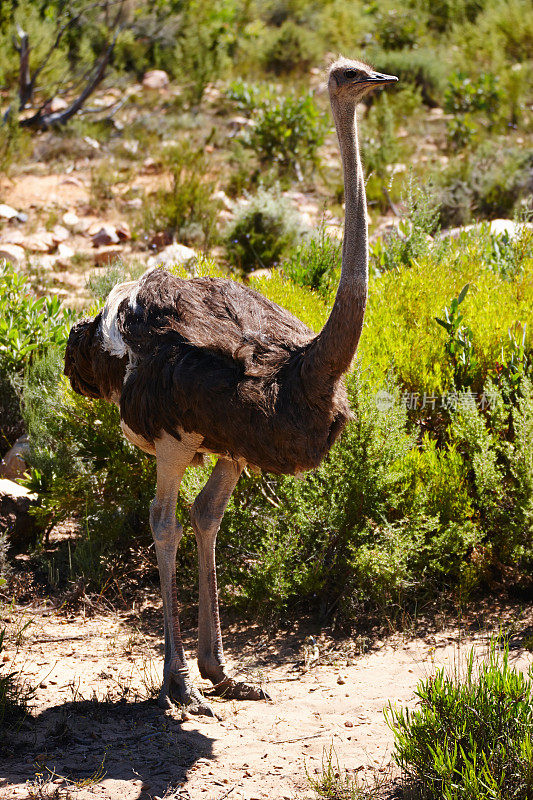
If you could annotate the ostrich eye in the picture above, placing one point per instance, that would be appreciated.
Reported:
(351, 74)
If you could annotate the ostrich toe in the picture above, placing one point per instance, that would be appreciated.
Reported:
(177, 692)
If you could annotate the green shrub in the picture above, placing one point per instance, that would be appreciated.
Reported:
(316, 263)
(489, 183)
(412, 239)
(421, 67)
(288, 129)
(204, 41)
(398, 28)
(186, 210)
(28, 325)
(290, 47)
(379, 148)
(471, 736)
(263, 230)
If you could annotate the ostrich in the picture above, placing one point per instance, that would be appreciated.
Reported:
(207, 365)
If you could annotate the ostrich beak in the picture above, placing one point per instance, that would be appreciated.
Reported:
(380, 79)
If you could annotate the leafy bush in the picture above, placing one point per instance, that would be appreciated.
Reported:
(28, 325)
(288, 129)
(263, 230)
(472, 735)
(420, 67)
(187, 209)
(316, 263)
(398, 28)
(490, 183)
(290, 47)
(465, 95)
(204, 40)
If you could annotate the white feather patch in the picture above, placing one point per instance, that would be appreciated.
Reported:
(112, 340)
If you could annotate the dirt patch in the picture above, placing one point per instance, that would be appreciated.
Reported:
(96, 731)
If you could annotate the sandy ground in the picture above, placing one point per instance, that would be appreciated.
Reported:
(96, 732)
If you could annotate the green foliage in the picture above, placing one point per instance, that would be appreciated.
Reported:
(288, 48)
(465, 95)
(187, 209)
(459, 344)
(379, 148)
(420, 67)
(203, 45)
(15, 694)
(489, 183)
(412, 239)
(27, 324)
(471, 736)
(263, 230)
(316, 263)
(288, 129)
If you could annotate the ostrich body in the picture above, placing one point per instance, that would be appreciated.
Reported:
(207, 365)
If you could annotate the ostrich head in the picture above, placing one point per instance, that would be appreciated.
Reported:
(79, 367)
(352, 80)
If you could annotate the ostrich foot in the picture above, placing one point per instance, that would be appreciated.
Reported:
(176, 691)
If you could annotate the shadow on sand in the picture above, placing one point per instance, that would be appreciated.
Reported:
(91, 741)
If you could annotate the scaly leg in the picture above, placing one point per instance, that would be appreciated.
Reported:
(206, 515)
(173, 457)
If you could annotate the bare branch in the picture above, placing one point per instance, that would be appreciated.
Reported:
(41, 120)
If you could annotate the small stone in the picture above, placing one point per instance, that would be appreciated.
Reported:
(7, 212)
(150, 165)
(64, 251)
(54, 105)
(13, 464)
(13, 253)
(185, 716)
(106, 255)
(155, 79)
(172, 255)
(13, 237)
(40, 242)
(348, 724)
(70, 220)
(341, 681)
(104, 236)
(123, 231)
(60, 234)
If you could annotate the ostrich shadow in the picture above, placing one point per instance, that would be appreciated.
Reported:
(87, 742)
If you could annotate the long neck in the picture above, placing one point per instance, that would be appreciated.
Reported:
(331, 353)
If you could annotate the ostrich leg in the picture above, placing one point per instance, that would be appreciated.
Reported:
(206, 515)
(173, 457)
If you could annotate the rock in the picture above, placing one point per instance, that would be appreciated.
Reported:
(223, 199)
(107, 255)
(135, 202)
(497, 227)
(13, 253)
(54, 105)
(71, 221)
(13, 464)
(150, 165)
(13, 237)
(105, 235)
(7, 212)
(15, 519)
(172, 255)
(341, 681)
(64, 251)
(93, 143)
(123, 231)
(160, 240)
(40, 242)
(59, 234)
(348, 724)
(155, 79)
